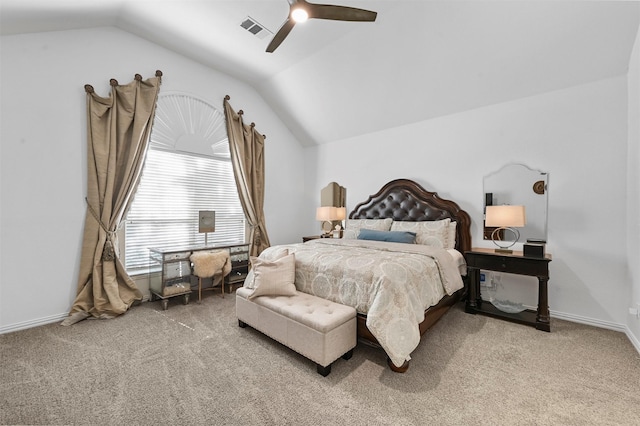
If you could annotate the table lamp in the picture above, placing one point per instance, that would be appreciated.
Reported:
(505, 218)
(206, 223)
(327, 215)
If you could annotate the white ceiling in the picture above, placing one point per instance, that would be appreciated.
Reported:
(334, 80)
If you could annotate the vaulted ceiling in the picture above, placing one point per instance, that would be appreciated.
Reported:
(330, 80)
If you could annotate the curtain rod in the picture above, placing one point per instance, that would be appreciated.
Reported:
(113, 82)
(241, 112)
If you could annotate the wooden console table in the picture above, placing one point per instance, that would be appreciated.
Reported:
(513, 263)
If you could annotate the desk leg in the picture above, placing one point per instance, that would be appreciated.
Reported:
(474, 290)
(542, 319)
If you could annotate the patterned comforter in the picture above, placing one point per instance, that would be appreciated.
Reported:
(392, 283)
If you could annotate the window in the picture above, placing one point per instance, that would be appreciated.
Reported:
(187, 169)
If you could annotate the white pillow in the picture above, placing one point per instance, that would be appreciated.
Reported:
(435, 233)
(274, 278)
(452, 235)
(272, 254)
(353, 227)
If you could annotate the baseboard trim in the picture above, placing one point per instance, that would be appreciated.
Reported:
(589, 321)
(634, 341)
(33, 323)
(45, 320)
(601, 324)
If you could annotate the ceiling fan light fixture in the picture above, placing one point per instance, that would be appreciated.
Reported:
(301, 10)
(299, 15)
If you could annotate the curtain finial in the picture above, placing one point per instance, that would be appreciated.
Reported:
(227, 97)
(240, 112)
(264, 136)
(113, 82)
(88, 88)
(138, 77)
(158, 73)
(253, 124)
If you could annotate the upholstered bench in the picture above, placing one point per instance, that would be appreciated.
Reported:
(319, 329)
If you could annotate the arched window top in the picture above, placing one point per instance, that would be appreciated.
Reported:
(189, 124)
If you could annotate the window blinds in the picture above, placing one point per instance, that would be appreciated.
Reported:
(173, 188)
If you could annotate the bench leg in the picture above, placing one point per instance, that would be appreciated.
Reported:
(323, 371)
(241, 324)
(348, 355)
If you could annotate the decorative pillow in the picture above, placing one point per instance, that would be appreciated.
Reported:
(354, 226)
(274, 254)
(435, 233)
(390, 236)
(452, 235)
(274, 278)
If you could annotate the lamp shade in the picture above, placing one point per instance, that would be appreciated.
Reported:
(505, 216)
(330, 213)
(206, 221)
(323, 213)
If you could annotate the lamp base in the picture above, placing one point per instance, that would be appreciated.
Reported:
(503, 250)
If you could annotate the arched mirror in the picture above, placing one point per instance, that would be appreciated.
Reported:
(332, 195)
(517, 184)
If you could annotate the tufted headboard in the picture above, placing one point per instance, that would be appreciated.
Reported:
(406, 200)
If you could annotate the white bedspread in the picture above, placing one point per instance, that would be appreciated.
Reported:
(392, 283)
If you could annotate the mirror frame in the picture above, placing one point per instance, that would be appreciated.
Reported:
(532, 184)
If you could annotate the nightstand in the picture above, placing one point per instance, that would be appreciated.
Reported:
(512, 263)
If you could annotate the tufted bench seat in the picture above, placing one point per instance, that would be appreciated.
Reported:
(319, 329)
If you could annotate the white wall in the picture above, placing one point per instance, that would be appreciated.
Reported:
(43, 158)
(578, 135)
(633, 191)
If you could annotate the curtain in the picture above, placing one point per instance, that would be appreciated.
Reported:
(118, 129)
(246, 145)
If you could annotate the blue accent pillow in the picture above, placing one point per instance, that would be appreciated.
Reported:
(390, 236)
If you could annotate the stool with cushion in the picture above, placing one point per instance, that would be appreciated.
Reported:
(211, 264)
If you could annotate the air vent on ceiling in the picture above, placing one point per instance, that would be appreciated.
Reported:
(255, 28)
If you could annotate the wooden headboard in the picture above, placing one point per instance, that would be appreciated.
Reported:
(406, 200)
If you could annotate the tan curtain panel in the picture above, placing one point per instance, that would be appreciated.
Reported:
(246, 145)
(118, 129)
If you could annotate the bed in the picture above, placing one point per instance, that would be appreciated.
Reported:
(399, 290)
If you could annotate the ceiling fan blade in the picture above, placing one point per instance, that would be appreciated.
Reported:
(282, 33)
(340, 13)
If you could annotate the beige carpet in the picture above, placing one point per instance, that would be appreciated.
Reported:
(192, 364)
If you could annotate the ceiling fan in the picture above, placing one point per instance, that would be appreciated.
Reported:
(301, 10)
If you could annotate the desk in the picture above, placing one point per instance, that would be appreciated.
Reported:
(175, 269)
(513, 263)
